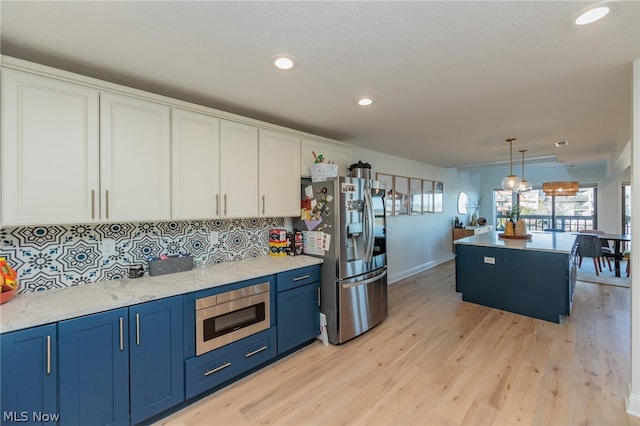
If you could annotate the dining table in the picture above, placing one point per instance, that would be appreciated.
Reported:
(617, 244)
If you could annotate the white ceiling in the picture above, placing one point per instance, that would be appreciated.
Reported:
(451, 79)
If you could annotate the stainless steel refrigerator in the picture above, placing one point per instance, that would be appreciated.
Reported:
(346, 217)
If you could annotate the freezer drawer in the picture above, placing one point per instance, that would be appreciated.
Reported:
(362, 304)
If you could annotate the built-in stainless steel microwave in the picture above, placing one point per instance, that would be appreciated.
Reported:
(226, 317)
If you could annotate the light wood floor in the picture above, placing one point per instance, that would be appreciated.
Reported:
(439, 361)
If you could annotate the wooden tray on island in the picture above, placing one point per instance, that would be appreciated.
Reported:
(515, 237)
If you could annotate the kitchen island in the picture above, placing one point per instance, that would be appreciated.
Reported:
(533, 277)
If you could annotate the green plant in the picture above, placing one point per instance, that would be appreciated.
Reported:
(514, 213)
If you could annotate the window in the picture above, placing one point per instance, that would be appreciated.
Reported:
(541, 212)
(626, 208)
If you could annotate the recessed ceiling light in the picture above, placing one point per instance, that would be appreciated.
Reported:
(283, 62)
(365, 101)
(593, 13)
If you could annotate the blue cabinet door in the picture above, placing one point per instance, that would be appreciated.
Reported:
(298, 316)
(28, 367)
(157, 361)
(94, 369)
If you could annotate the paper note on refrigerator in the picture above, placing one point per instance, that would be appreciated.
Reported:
(308, 191)
(314, 242)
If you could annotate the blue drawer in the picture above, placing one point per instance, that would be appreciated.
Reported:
(297, 277)
(211, 369)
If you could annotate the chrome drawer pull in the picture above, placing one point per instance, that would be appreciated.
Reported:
(223, 366)
(304, 277)
(250, 354)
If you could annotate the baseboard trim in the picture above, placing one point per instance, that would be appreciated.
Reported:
(417, 269)
(633, 405)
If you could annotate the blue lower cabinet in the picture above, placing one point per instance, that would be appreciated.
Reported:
(298, 307)
(123, 366)
(218, 366)
(94, 369)
(28, 367)
(298, 316)
(156, 352)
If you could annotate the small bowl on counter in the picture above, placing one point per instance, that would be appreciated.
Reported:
(5, 296)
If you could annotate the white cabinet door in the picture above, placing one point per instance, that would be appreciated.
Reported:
(343, 157)
(338, 154)
(135, 159)
(279, 174)
(238, 169)
(49, 151)
(195, 159)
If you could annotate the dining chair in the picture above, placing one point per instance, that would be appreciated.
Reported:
(627, 256)
(607, 251)
(588, 245)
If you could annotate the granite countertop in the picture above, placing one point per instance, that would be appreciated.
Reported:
(557, 242)
(39, 308)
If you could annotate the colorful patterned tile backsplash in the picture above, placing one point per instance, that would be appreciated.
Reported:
(64, 255)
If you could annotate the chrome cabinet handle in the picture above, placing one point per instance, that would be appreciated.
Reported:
(225, 204)
(217, 204)
(48, 355)
(257, 351)
(223, 366)
(93, 204)
(263, 204)
(304, 277)
(106, 196)
(138, 329)
(318, 300)
(121, 334)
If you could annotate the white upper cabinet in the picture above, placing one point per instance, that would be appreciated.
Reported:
(195, 160)
(343, 157)
(49, 151)
(279, 174)
(135, 145)
(238, 169)
(338, 154)
(78, 150)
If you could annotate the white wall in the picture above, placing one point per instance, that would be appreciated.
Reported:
(410, 238)
(609, 188)
(417, 243)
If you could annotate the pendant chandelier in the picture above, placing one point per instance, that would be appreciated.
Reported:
(525, 186)
(560, 188)
(511, 182)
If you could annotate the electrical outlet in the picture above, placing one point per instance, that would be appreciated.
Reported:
(108, 247)
(214, 237)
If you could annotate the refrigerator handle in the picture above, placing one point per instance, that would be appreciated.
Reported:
(369, 225)
(364, 282)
